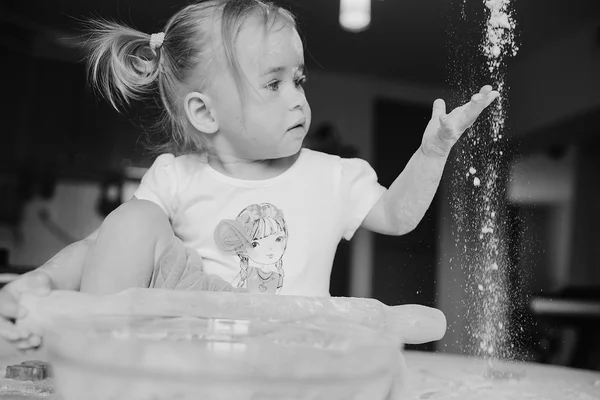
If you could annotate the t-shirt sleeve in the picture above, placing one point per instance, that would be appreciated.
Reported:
(159, 184)
(359, 192)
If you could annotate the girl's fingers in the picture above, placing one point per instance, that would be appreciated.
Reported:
(485, 89)
(447, 128)
(7, 332)
(9, 303)
(486, 95)
(12, 332)
(33, 342)
(477, 97)
(439, 108)
(29, 343)
(480, 101)
(8, 306)
(493, 95)
(463, 117)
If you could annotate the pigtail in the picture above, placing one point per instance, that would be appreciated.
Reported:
(125, 65)
(122, 65)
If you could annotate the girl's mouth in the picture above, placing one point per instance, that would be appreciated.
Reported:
(299, 124)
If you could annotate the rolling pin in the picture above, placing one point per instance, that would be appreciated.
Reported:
(410, 323)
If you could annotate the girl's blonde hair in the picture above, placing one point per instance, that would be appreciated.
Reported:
(123, 66)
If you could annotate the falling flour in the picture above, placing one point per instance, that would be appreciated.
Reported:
(478, 201)
(500, 38)
(493, 305)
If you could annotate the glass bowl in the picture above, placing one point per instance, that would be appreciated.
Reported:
(117, 357)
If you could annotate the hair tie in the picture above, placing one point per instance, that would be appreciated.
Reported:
(156, 40)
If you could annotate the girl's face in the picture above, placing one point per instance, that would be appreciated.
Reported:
(275, 115)
(267, 250)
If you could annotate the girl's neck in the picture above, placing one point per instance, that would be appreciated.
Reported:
(252, 170)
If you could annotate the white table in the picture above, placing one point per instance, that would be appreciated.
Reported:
(445, 376)
(438, 376)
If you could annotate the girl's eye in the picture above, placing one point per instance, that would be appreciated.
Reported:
(279, 239)
(255, 245)
(300, 80)
(274, 86)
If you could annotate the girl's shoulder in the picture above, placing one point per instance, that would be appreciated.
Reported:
(315, 156)
(182, 164)
(319, 159)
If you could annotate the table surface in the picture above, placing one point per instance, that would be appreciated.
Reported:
(431, 376)
(445, 376)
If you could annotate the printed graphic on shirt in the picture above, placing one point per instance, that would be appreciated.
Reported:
(259, 237)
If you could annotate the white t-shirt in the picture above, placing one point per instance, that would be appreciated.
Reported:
(277, 235)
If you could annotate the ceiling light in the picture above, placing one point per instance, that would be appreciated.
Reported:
(355, 15)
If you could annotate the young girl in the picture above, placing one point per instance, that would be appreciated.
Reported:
(229, 74)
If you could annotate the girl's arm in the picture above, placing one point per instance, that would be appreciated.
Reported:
(63, 271)
(404, 204)
(65, 268)
(402, 207)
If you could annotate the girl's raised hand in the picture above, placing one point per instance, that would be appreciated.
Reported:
(444, 129)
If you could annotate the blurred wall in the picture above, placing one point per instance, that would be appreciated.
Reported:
(546, 182)
(557, 82)
(70, 211)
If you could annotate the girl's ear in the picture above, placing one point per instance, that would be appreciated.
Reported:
(200, 113)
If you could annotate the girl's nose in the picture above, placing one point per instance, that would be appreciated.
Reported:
(298, 99)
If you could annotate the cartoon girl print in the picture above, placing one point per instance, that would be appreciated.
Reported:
(259, 237)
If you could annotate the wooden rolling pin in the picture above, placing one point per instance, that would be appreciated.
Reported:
(411, 323)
